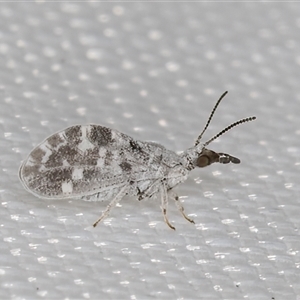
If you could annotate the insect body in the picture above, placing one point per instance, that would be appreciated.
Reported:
(94, 162)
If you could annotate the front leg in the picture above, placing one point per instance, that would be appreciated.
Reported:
(179, 205)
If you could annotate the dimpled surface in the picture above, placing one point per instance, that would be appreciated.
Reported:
(154, 71)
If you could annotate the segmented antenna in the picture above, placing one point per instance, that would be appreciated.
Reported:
(210, 118)
(228, 128)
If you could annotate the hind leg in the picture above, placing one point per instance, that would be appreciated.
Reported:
(112, 204)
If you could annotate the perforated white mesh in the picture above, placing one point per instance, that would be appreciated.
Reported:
(154, 71)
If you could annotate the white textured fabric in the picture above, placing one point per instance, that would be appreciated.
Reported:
(154, 72)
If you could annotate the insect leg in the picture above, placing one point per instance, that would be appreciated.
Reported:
(164, 204)
(112, 204)
(150, 190)
(179, 205)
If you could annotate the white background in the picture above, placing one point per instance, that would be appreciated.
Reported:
(154, 71)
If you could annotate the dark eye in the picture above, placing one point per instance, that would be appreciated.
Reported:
(203, 161)
(206, 158)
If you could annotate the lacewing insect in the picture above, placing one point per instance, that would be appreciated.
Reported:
(93, 162)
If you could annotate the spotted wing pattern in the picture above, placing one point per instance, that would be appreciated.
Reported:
(86, 160)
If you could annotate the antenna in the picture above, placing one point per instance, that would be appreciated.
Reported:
(228, 128)
(210, 118)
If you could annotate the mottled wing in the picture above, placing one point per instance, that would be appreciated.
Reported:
(81, 161)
